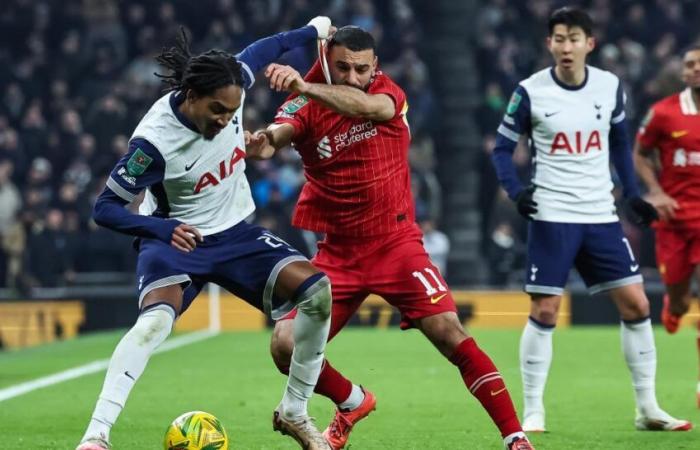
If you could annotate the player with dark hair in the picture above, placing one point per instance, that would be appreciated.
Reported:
(353, 137)
(672, 126)
(573, 115)
(188, 153)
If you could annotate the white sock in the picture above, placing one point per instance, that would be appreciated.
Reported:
(126, 366)
(354, 400)
(310, 336)
(640, 356)
(535, 359)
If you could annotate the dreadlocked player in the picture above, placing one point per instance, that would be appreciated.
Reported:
(188, 154)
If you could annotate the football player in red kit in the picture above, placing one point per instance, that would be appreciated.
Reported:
(672, 126)
(353, 137)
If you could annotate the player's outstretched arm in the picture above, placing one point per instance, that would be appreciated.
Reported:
(345, 100)
(264, 143)
(267, 50)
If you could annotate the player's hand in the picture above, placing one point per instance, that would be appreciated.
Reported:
(257, 145)
(524, 202)
(323, 26)
(185, 238)
(285, 78)
(644, 212)
(665, 205)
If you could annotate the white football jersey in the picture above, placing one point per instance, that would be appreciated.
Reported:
(568, 129)
(196, 181)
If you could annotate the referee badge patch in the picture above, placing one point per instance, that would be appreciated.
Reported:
(513, 104)
(138, 163)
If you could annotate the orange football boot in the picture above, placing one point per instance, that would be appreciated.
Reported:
(338, 431)
(671, 321)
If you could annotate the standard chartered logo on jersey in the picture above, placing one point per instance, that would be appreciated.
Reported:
(357, 133)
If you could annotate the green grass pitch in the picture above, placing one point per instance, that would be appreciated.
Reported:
(422, 403)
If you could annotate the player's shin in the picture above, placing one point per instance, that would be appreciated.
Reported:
(310, 328)
(535, 360)
(640, 356)
(484, 381)
(126, 365)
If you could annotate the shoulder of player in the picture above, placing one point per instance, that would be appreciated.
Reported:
(598, 74)
(384, 82)
(539, 78)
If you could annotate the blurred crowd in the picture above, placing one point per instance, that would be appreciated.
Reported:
(78, 76)
(640, 41)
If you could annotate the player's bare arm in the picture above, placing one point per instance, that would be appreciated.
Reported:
(263, 144)
(345, 100)
(644, 162)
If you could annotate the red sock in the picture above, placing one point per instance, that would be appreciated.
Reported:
(330, 383)
(486, 384)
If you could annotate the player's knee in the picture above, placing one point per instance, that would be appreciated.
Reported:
(282, 346)
(315, 299)
(637, 309)
(153, 325)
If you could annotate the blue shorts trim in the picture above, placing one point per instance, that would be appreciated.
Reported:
(602, 287)
(283, 309)
(545, 290)
(162, 282)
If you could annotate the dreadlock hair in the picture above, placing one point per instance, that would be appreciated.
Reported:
(203, 74)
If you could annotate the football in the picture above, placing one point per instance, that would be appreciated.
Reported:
(196, 430)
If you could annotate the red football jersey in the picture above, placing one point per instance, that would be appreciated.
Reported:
(673, 127)
(357, 172)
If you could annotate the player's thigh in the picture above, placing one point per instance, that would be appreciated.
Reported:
(164, 275)
(606, 260)
(677, 252)
(403, 274)
(551, 251)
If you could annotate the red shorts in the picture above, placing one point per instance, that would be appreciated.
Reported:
(395, 267)
(677, 253)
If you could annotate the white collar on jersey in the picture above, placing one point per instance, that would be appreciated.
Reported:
(687, 104)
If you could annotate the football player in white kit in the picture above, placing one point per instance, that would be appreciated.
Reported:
(188, 153)
(573, 115)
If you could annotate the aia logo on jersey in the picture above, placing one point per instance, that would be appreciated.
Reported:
(576, 144)
(213, 179)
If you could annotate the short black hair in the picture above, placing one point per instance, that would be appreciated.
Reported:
(203, 74)
(353, 38)
(571, 16)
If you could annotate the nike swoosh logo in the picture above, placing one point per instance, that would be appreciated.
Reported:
(434, 300)
(646, 352)
(129, 375)
(495, 393)
(551, 114)
(597, 106)
(187, 168)
(679, 133)
(634, 267)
